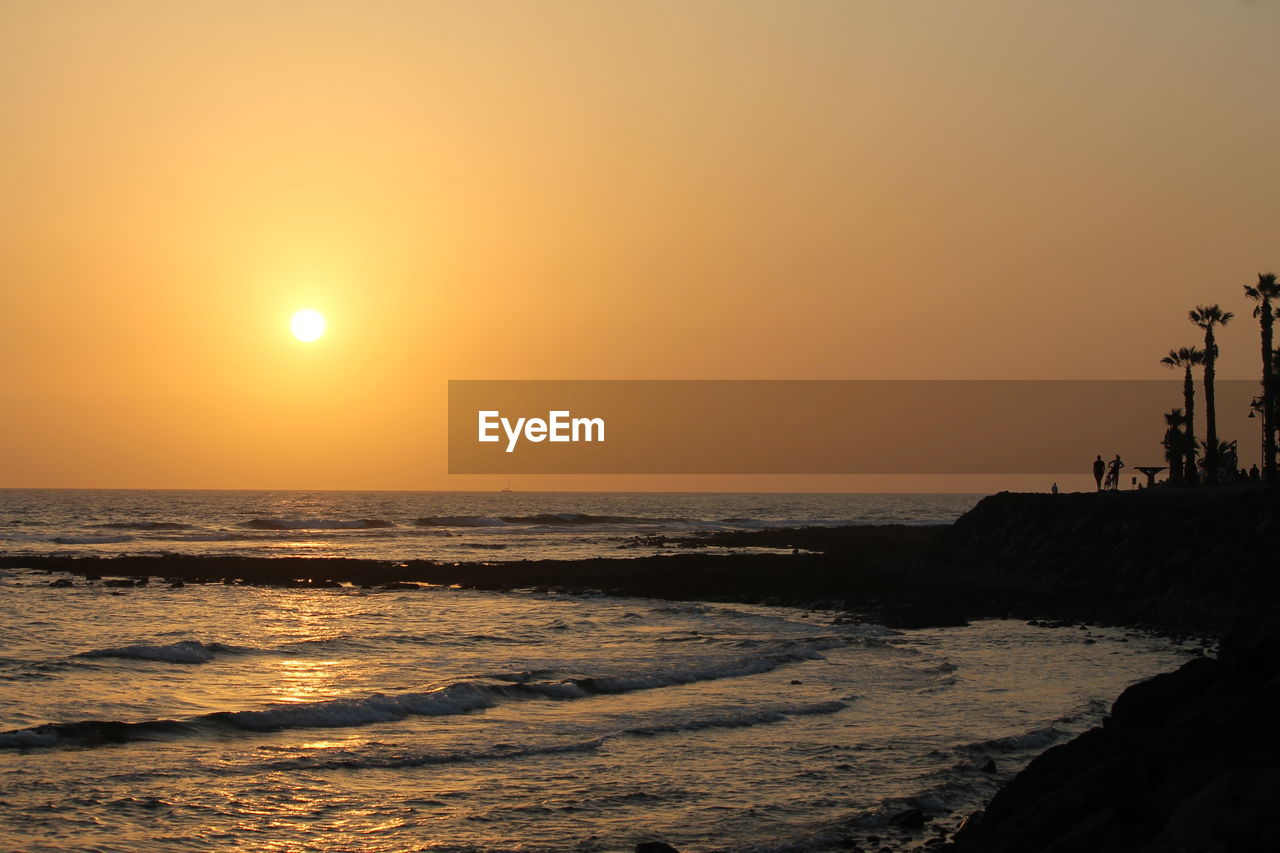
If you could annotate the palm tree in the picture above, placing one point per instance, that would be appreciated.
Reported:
(1206, 317)
(1227, 455)
(1174, 444)
(1263, 292)
(1187, 358)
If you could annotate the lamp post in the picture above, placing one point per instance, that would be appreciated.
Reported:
(1256, 408)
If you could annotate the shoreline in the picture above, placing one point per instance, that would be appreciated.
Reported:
(1191, 563)
(874, 589)
(1181, 562)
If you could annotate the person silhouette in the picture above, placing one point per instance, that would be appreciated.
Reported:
(1099, 468)
(1054, 489)
(1113, 473)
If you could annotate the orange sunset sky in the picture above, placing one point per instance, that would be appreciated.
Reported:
(758, 190)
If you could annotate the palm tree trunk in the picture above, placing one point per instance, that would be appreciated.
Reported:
(1268, 395)
(1210, 413)
(1173, 444)
(1189, 402)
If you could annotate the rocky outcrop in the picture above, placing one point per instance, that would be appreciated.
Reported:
(1187, 761)
(1191, 557)
(1181, 560)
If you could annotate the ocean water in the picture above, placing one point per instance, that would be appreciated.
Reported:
(239, 718)
(214, 718)
(419, 525)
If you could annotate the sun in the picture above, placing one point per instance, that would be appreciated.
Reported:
(307, 325)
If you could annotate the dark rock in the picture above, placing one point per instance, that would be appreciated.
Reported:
(1175, 557)
(1186, 761)
(655, 847)
(62, 582)
(910, 819)
(1188, 559)
(989, 767)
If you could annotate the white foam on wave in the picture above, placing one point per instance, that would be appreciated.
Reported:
(739, 718)
(378, 708)
(316, 524)
(573, 688)
(459, 521)
(185, 651)
(27, 738)
(457, 698)
(556, 689)
(733, 718)
(1038, 739)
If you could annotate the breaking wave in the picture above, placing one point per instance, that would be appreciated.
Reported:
(316, 524)
(459, 521)
(186, 651)
(540, 520)
(457, 698)
(729, 718)
(89, 540)
(144, 525)
(422, 759)
(739, 718)
(1038, 739)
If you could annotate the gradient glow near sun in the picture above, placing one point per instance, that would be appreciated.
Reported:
(307, 325)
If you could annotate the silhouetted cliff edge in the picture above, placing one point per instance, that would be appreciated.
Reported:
(1195, 559)
(1187, 761)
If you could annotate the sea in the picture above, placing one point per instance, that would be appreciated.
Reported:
(209, 717)
(453, 526)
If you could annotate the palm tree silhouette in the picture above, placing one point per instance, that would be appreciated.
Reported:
(1227, 455)
(1175, 444)
(1263, 292)
(1187, 358)
(1206, 317)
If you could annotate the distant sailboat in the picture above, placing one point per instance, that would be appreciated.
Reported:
(508, 488)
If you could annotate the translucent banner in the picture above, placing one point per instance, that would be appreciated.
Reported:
(823, 426)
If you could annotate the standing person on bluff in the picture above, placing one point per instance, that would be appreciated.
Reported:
(1113, 473)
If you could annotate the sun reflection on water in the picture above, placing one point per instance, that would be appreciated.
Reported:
(307, 680)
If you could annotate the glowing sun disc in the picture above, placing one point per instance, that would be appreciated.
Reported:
(307, 325)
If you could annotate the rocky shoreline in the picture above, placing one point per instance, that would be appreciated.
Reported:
(1185, 762)
(1186, 562)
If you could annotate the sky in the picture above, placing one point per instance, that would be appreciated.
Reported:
(897, 189)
